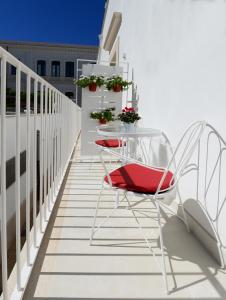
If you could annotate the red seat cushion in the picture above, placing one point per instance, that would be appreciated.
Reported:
(109, 143)
(137, 178)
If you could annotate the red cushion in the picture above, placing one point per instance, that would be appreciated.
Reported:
(137, 178)
(109, 143)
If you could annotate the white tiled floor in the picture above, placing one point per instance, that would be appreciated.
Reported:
(118, 265)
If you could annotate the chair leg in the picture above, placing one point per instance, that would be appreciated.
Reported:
(162, 248)
(183, 211)
(94, 227)
(141, 229)
(117, 199)
(95, 215)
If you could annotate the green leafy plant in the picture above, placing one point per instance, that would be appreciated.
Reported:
(103, 116)
(85, 81)
(129, 115)
(117, 83)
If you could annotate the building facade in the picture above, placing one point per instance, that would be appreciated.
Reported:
(57, 63)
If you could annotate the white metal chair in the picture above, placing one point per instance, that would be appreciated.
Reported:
(151, 183)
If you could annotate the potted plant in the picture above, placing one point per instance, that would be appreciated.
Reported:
(92, 81)
(129, 117)
(103, 116)
(117, 83)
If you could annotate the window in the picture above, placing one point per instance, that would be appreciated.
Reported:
(70, 95)
(13, 70)
(69, 69)
(55, 71)
(41, 68)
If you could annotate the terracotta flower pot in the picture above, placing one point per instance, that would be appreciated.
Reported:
(117, 88)
(102, 121)
(92, 87)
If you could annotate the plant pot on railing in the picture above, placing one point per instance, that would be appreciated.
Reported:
(117, 88)
(103, 116)
(102, 121)
(92, 82)
(117, 84)
(92, 87)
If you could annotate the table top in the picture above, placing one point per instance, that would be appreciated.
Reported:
(120, 131)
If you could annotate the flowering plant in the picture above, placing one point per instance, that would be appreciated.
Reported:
(103, 116)
(129, 115)
(85, 81)
(117, 84)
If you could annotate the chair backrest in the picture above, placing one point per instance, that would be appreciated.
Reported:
(180, 157)
(211, 189)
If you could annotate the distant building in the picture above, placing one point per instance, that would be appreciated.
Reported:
(57, 63)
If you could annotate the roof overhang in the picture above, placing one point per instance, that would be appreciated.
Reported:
(113, 31)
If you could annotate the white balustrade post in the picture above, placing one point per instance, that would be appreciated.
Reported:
(41, 158)
(47, 91)
(28, 152)
(55, 144)
(3, 181)
(52, 146)
(61, 139)
(17, 173)
(35, 162)
(49, 149)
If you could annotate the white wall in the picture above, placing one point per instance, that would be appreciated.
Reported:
(177, 50)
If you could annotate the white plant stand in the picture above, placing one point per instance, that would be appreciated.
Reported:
(96, 101)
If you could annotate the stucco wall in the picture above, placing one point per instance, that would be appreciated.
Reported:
(177, 52)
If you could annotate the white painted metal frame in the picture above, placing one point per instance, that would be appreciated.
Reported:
(59, 123)
(213, 171)
(178, 165)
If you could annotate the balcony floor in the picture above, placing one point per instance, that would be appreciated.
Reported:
(118, 265)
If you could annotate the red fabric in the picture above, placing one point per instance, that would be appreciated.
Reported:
(136, 178)
(109, 143)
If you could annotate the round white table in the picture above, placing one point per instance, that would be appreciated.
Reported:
(133, 138)
(121, 132)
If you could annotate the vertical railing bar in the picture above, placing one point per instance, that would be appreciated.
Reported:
(49, 147)
(3, 181)
(47, 91)
(28, 148)
(52, 144)
(56, 141)
(41, 159)
(35, 163)
(65, 129)
(17, 183)
(58, 122)
(55, 144)
(61, 142)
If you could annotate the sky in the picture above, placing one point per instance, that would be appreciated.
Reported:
(54, 21)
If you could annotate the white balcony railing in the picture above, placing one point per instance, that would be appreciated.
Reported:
(57, 119)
